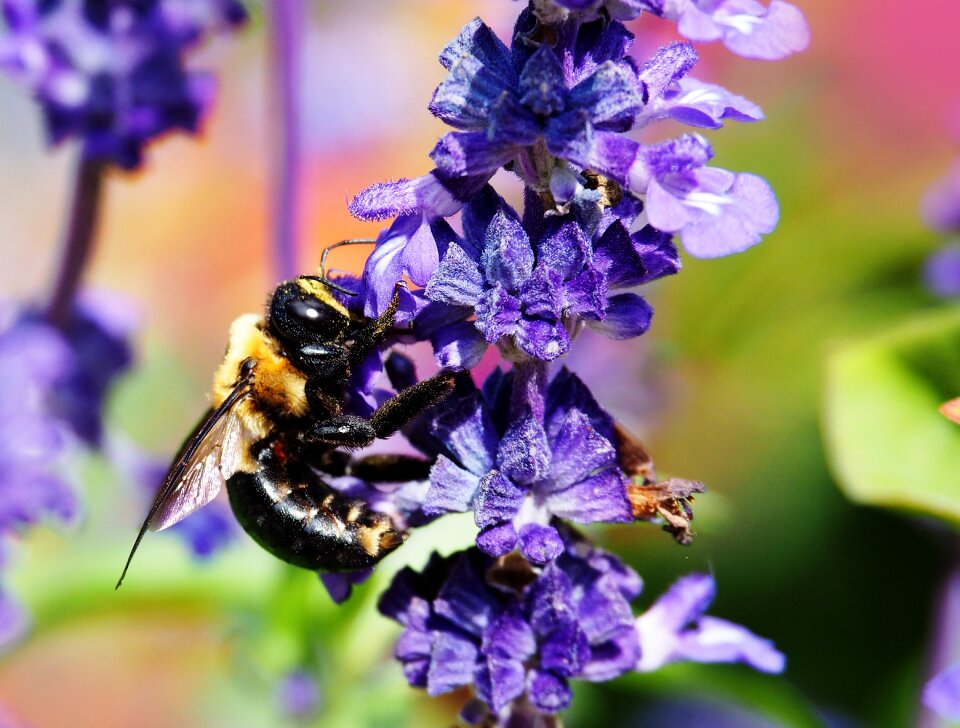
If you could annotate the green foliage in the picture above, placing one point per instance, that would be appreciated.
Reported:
(888, 442)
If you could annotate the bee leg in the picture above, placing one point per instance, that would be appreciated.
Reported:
(373, 333)
(386, 468)
(342, 431)
(412, 401)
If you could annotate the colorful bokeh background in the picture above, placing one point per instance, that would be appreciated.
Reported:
(725, 388)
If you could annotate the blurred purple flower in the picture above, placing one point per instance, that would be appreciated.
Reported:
(941, 272)
(941, 204)
(298, 695)
(113, 74)
(942, 693)
(13, 622)
(52, 388)
(675, 628)
(745, 27)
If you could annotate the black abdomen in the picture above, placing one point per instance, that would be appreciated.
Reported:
(287, 509)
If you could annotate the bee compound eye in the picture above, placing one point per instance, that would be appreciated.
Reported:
(313, 314)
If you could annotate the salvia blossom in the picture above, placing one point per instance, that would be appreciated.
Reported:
(520, 633)
(113, 74)
(534, 605)
(558, 115)
(746, 27)
(53, 385)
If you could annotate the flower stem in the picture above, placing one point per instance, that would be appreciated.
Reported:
(287, 18)
(529, 389)
(78, 239)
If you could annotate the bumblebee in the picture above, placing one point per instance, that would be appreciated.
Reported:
(277, 423)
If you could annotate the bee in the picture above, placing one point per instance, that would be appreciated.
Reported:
(277, 423)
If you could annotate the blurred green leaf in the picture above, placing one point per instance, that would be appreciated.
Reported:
(888, 443)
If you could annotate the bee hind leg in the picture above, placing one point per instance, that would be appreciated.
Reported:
(389, 468)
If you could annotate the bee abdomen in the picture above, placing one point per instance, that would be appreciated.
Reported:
(287, 509)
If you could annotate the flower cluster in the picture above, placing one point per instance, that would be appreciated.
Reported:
(520, 634)
(533, 605)
(53, 384)
(113, 74)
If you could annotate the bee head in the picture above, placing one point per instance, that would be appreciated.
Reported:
(303, 311)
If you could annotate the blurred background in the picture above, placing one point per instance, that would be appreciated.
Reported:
(727, 387)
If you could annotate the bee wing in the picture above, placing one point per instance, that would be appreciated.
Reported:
(197, 481)
(209, 456)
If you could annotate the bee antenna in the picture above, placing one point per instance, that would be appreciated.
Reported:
(329, 284)
(326, 251)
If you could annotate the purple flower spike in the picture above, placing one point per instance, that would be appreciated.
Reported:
(51, 399)
(504, 103)
(745, 27)
(515, 634)
(675, 628)
(942, 693)
(113, 74)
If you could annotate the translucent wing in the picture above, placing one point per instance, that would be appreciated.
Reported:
(209, 456)
(202, 477)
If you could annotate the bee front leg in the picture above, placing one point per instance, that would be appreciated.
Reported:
(400, 409)
(373, 333)
(342, 431)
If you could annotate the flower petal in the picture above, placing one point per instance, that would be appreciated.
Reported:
(627, 315)
(452, 489)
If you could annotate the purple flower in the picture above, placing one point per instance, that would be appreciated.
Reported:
(516, 473)
(516, 107)
(298, 696)
(941, 205)
(533, 282)
(941, 272)
(113, 74)
(942, 693)
(716, 212)
(675, 628)
(13, 621)
(745, 27)
(510, 631)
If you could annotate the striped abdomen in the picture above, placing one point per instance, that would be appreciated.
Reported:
(287, 509)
